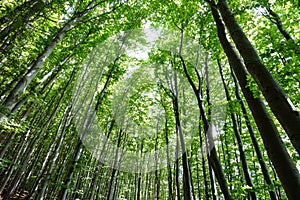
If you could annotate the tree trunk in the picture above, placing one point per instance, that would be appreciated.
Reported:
(30, 10)
(212, 154)
(177, 182)
(171, 196)
(275, 18)
(64, 191)
(285, 168)
(56, 154)
(243, 159)
(28, 154)
(14, 96)
(281, 106)
(259, 154)
(114, 170)
(35, 67)
(186, 173)
(156, 172)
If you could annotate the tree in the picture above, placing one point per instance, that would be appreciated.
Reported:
(279, 103)
(262, 118)
(149, 99)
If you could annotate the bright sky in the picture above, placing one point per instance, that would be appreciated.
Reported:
(151, 37)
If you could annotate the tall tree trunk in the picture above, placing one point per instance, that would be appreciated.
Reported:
(208, 142)
(185, 165)
(12, 167)
(203, 161)
(64, 191)
(56, 154)
(98, 165)
(243, 159)
(14, 96)
(85, 128)
(156, 173)
(29, 9)
(212, 154)
(49, 77)
(281, 106)
(29, 152)
(177, 182)
(186, 173)
(284, 165)
(114, 170)
(35, 66)
(258, 152)
(171, 196)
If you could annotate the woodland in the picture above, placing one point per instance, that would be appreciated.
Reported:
(142, 100)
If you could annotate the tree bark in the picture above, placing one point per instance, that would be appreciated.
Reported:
(258, 152)
(114, 170)
(243, 159)
(170, 190)
(281, 106)
(35, 66)
(28, 10)
(275, 18)
(14, 96)
(56, 154)
(212, 154)
(277, 152)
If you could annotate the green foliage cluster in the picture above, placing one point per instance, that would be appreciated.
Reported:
(40, 146)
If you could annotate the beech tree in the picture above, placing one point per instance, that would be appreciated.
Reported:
(149, 99)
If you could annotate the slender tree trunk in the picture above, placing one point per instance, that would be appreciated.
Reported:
(7, 18)
(114, 170)
(8, 140)
(21, 20)
(228, 156)
(49, 77)
(284, 165)
(98, 165)
(203, 161)
(275, 18)
(281, 106)
(56, 154)
(12, 167)
(63, 193)
(261, 161)
(186, 173)
(177, 182)
(28, 154)
(35, 67)
(243, 159)
(156, 173)
(209, 141)
(116, 189)
(171, 197)
(85, 128)
(212, 154)
(14, 96)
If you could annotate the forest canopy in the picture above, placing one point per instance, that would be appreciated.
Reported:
(131, 99)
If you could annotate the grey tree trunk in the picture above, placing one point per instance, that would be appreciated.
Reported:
(14, 96)
(252, 194)
(277, 152)
(258, 152)
(281, 106)
(212, 157)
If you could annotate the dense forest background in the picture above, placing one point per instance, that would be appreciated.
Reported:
(135, 100)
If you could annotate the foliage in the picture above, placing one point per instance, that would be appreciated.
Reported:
(111, 85)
